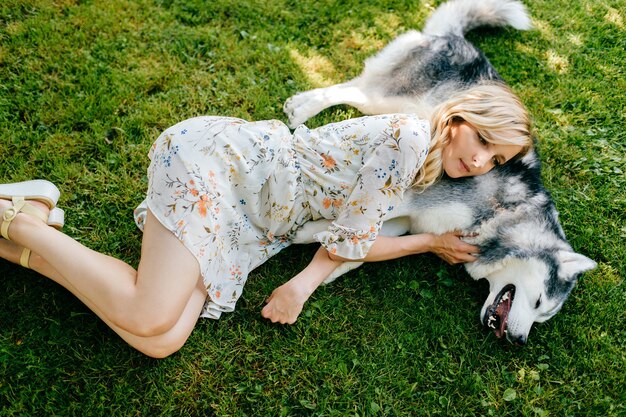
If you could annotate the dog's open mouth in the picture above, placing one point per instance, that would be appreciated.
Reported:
(497, 314)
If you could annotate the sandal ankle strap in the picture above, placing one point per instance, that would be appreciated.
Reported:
(25, 258)
(19, 206)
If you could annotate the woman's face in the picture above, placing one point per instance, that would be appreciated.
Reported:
(467, 154)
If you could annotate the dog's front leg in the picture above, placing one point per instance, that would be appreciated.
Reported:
(340, 270)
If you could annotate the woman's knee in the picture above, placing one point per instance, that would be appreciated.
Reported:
(151, 323)
(166, 344)
(160, 349)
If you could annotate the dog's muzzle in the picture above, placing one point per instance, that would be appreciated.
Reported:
(497, 314)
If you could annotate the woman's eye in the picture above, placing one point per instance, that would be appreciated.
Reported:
(482, 140)
(496, 161)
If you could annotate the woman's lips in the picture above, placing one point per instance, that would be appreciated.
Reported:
(463, 166)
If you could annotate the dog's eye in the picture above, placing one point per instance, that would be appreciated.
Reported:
(538, 303)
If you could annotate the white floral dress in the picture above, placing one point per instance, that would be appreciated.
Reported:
(234, 192)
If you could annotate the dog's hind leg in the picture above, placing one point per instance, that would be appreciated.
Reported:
(356, 93)
(375, 91)
(303, 106)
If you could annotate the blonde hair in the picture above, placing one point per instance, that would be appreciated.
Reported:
(492, 109)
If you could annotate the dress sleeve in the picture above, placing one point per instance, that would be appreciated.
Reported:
(394, 159)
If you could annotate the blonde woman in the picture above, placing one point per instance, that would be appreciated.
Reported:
(225, 195)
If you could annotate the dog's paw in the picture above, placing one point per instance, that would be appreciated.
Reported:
(301, 107)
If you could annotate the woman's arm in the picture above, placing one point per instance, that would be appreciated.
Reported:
(448, 246)
(286, 302)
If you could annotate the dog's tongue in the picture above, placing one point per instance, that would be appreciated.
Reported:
(503, 312)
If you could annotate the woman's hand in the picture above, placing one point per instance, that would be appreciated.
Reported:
(452, 249)
(286, 302)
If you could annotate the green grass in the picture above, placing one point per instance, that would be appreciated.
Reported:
(85, 87)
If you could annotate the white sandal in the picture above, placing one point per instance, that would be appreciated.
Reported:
(19, 193)
(56, 218)
(38, 190)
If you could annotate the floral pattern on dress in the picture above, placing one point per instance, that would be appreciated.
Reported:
(234, 192)
(382, 154)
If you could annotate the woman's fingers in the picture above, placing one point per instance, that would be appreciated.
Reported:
(464, 247)
(458, 258)
(465, 257)
(459, 233)
(454, 250)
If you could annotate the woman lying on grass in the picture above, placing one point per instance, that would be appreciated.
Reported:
(225, 195)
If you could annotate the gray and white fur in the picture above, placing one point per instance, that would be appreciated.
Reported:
(530, 266)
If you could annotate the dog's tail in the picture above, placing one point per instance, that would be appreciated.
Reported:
(457, 17)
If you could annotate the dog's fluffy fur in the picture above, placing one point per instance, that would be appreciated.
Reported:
(523, 251)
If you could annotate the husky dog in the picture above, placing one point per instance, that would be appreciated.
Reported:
(524, 254)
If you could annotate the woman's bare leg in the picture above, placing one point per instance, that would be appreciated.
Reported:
(158, 305)
(158, 346)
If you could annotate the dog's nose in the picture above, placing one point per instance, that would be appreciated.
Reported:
(519, 340)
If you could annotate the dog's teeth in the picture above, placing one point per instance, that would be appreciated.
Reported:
(505, 297)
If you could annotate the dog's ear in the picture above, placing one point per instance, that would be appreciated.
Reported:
(572, 264)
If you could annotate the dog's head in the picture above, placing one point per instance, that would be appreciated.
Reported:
(525, 256)
(527, 290)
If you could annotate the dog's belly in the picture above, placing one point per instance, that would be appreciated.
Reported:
(442, 219)
(396, 227)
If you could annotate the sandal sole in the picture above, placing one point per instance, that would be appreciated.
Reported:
(38, 190)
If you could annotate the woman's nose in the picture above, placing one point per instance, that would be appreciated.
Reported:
(480, 159)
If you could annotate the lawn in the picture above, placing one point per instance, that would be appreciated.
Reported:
(86, 86)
